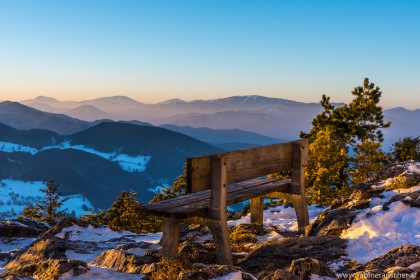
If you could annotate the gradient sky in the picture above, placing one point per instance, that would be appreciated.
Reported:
(157, 50)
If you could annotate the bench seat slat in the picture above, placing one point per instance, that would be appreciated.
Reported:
(197, 204)
(181, 200)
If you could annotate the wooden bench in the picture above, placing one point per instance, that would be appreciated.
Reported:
(216, 181)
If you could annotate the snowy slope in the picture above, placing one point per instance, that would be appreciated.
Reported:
(126, 162)
(16, 195)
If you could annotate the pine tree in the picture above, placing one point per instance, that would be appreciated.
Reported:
(356, 126)
(123, 215)
(328, 159)
(407, 148)
(368, 160)
(48, 210)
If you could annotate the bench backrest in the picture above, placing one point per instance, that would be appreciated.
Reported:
(243, 165)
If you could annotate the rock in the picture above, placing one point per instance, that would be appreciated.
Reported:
(44, 259)
(21, 228)
(64, 223)
(400, 273)
(410, 199)
(401, 256)
(122, 261)
(196, 253)
(280, 254)
(281, 274)
(204, 272)
(306, 266)
(194, 233)
(389, 171)
(331, 222)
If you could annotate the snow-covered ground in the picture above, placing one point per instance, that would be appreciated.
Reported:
(15, 195)
(126, 162)
(281, 217)
(375, 231)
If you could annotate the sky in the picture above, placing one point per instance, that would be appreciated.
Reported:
(157, 50)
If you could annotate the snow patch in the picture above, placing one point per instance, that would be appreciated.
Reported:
(104, 233)
(375, 233)
(96, 272)
(231, 276)
(281, 217)
(126, 162)
(15, 195)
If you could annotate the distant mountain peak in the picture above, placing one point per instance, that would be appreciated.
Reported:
(120, 99)
(172, 101)
(42, 98)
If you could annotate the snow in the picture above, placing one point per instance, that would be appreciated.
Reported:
(90, 233)
(11, 148)
(15, 195)
(281, 217)
(126, 162)
(413, 167)
(271, 236)
(104, 233)
(375, 233)
(231, 276)
(96, 272)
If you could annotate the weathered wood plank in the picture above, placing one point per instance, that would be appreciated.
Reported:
(182, 200)
(201, 207)
(241, 165)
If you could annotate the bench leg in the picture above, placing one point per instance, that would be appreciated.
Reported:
(220, 232)
(301, 208)
(257, 209)
(170, 239)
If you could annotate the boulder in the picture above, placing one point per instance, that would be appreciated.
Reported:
(196, 253)
(331, 222)
(64, 223)
(125, 262)
(21, 228)
(279, 254)
(44, 259)
(281, 274)
(306, 266)
(410, 199)
(401, 256)
(203, 272)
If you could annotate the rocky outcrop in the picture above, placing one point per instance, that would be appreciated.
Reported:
(125, 262)
(402, 256)
(44, 259)
(280, 254)
(281, 274)
(64, 223)
(203, 272)
(305, 267)
(410, 199)
(398, 263)
(21, 228)
(331, 222)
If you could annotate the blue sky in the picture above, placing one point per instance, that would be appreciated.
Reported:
(156, 50)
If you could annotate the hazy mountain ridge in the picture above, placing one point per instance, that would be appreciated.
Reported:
(23, 117)
(273, 117)
(79, 165)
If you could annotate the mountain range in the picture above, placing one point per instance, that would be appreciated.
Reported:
(120, 143)
(100, 161)
(273, 117)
